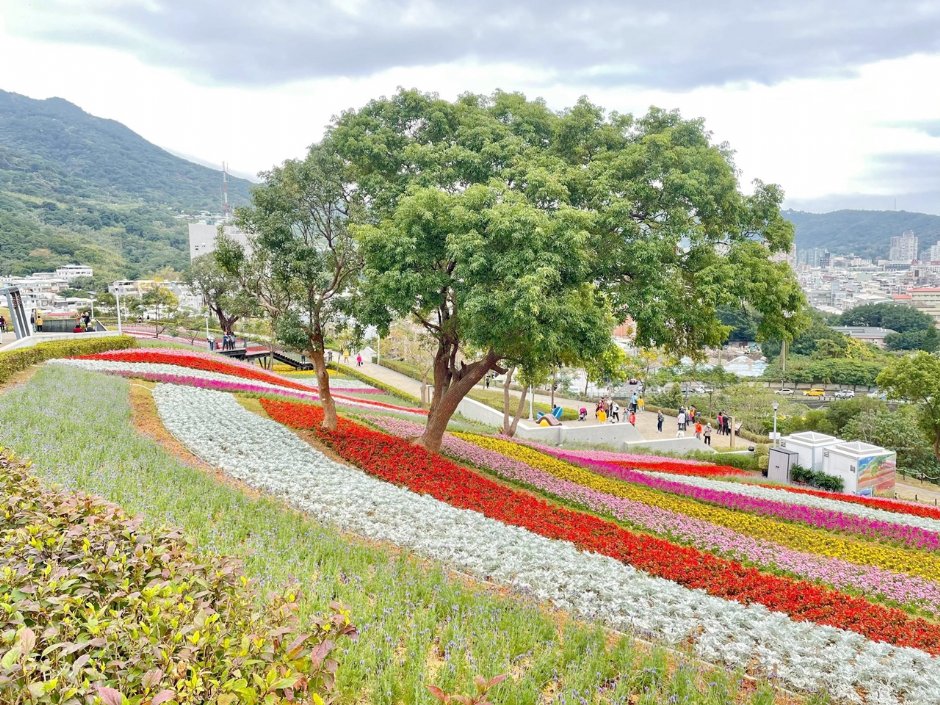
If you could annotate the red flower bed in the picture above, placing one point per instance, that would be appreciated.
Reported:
(223, 366)
(680, 468)
(198, 362)
(400, 462)
(888, 505)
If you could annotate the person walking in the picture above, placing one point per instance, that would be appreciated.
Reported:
(614, 412)
(359, 360)
(680, 420)
(633, 419)
(708, 434)
(39, 323)
(698, 430)
(634, 399)
(659, 421)
(719, 422)
(641, 404)
(3, 324)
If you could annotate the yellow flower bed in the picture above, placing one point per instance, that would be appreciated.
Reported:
(801, 538)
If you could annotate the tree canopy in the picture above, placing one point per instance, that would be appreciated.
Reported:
(916, 378)
(511, 231)
(897, 317)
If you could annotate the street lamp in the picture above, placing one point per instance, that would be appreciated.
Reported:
(776, 405)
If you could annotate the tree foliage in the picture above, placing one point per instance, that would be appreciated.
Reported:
(491, 220)
(220, 291)
(897, 317)
(303, 259)
(916, 378)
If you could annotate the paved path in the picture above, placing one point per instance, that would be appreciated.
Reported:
(646, 420)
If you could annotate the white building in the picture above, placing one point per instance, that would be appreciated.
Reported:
(73, 271)
(933, 253)
(903, 247)
(202, 237)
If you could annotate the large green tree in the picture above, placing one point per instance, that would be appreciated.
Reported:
(916, 378)
(303, 259)
(511, 231)
(897, 317)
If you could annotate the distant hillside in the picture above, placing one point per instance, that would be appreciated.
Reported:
(75, 187)
(866, 233)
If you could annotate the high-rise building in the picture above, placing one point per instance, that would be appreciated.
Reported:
(903, 247)
(933, 254)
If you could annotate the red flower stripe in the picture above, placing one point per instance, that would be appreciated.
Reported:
(888, 505)
(680, 468)
(400, 462)
(198, 362)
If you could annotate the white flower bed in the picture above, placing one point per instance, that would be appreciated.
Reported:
(804, 500)
(803, 655)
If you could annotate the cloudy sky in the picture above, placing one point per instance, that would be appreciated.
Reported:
(837, 101)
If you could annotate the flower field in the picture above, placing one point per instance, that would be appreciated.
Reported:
(805, 654)
(211, 372)
(820, 592)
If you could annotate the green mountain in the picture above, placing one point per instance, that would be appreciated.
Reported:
(864, 233)
(79, 188)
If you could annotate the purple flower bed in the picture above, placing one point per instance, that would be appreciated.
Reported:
(702, 534)
(821, 518)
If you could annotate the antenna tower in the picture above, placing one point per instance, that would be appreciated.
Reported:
(226, 208)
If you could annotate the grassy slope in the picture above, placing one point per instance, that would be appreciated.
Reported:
(418, 624)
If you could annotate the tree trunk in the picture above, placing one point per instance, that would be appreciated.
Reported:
(323, 387)
(506, 384)
(450, 387)
(520, 409)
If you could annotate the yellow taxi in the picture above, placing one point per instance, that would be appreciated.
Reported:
(815, 392)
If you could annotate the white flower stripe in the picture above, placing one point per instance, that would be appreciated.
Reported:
(805, 656)
(748, 490)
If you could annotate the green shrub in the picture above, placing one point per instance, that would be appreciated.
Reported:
(815, 478)
(405, 368)
(94, 606)
(14, 361)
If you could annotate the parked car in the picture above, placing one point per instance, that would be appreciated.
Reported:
(877, 395)
(815, 392)
(784, 390)
(633, 380)
(844, 394)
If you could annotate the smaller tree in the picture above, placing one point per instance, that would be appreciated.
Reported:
(165, 306)
(917, 379)
(220, 291)
(304, 260)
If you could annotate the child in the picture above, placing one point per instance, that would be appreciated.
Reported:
(633, 418)
(698, 430)
(582, 413)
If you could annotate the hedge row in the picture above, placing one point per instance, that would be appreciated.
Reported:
(98, 610)
(14, 361)
(814, 478)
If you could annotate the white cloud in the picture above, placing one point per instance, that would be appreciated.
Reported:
(815, 136)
